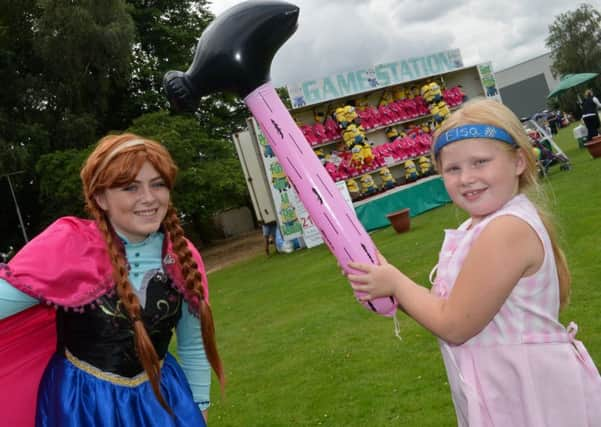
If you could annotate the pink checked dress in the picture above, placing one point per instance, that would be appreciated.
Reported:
(524, 369)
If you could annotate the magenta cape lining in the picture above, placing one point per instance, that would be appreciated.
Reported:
(67, 265)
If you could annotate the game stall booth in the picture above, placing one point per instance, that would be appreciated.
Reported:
(371, 129)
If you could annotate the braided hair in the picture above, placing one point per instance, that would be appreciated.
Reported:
(115, 162)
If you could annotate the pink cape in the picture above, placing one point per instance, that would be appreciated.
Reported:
(67, 265)
(27, 342)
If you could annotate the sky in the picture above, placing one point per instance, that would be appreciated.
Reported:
(335, 36)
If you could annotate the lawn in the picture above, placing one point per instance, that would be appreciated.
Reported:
(299, 351)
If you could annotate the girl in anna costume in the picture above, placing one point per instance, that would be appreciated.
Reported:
(89, 306)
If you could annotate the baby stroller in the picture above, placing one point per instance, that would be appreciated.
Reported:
(548, 152)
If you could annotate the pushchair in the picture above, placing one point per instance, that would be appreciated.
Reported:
(548, 152)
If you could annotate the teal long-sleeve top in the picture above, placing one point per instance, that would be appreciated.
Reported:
(143, 257)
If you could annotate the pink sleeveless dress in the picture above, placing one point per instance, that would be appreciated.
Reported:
(524, 369)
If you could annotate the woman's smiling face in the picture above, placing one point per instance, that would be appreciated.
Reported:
(137, 209)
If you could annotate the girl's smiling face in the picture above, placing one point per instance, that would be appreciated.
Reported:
(481, 175)
(137, 209)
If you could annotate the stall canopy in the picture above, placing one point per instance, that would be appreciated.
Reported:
(571, 80)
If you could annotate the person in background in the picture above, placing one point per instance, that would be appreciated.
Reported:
(590, 117)
(269, 230)
(501, 280)
(120, 283)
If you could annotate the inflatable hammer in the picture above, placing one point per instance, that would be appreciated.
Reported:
(234, 54)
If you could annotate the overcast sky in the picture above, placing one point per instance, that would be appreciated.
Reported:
(346, 35)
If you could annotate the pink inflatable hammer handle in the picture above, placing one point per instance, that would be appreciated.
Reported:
(234, 54)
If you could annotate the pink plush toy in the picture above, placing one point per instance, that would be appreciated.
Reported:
(307, 131)
(319, 131)
(332, 130)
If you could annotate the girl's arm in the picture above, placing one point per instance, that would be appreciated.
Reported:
(12, 300)
(504, 252)
(193, 359)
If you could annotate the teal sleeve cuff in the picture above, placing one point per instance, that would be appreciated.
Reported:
(12, 300)
(193, 359)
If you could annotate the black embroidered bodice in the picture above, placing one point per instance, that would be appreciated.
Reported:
(104, 336)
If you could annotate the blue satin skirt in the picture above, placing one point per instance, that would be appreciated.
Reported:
(73, 396)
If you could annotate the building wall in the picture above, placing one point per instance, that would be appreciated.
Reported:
(524, 87)
(234, 222)
(527, 96)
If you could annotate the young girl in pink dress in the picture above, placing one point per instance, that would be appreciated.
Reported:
(500, 281)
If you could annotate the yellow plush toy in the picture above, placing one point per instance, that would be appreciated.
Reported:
(368, 186)
(392, 133)
(353, 188)
(361, 103)
(410, 171)
(400, 93)
(388, 180)
(425, 166)
(357, 159)
(444, 109)
(431, 92)
(345, 116)
(387, 98)
(319, 117)
(353, 135)
(367, 154)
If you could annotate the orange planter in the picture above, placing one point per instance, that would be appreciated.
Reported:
(594, 146)
(400, 220)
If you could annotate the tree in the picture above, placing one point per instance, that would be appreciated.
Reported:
(85, 49)
(210, 178)
(77, 70)
(62, 62)
(167, 35)
(575, 41)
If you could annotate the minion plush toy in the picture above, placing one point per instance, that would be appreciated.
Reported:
(392, 133)
(368, 186)
(425, 166)
(387, 98)
(345, 116)
(410, 171)
(361, 103)
(353, 135)
(319, 116)
(353, 189)
(388, 180)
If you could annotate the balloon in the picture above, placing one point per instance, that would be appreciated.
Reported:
(234, 54)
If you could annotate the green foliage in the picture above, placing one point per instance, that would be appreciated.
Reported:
(291, 334)
(60, 185)
(210, 177)
(77, 70)
(93, 41)
(167, 33)
(574, 43)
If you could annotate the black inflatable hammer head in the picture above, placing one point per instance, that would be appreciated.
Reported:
(234, 53)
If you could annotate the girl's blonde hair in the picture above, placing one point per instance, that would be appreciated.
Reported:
(490, 112)
(115, 162)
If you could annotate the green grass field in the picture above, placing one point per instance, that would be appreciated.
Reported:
(299, 351)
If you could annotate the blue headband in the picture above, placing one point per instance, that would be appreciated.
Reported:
(471, 131)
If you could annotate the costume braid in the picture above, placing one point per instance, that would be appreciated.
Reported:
(145, 349)
(193, 283)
